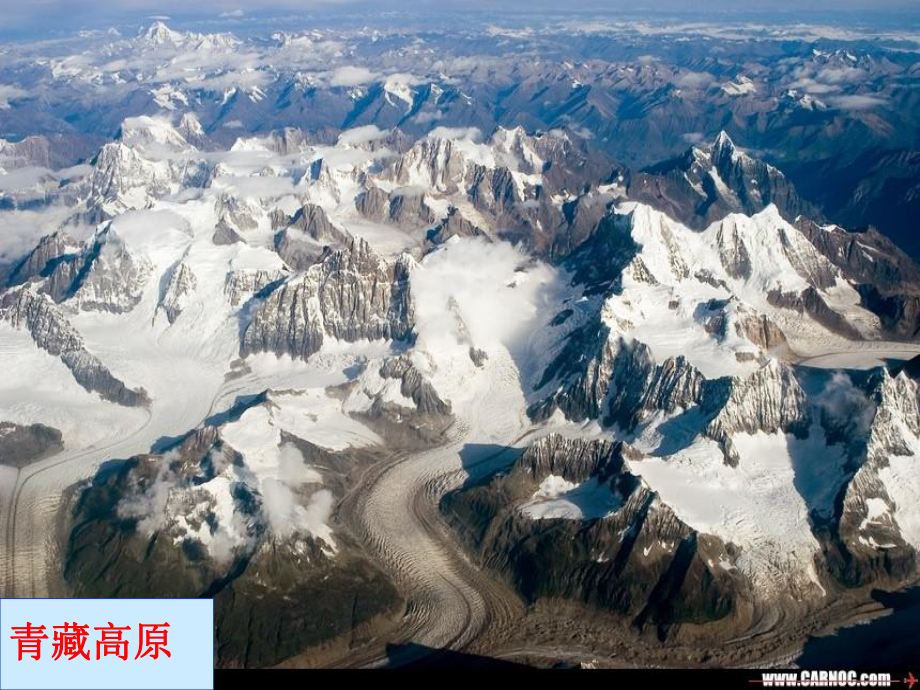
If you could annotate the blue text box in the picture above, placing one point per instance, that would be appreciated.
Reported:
(189, 639)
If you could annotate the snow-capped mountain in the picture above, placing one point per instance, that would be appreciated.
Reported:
(664, 394)
(706, 184)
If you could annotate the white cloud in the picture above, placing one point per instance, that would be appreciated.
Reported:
(694, 80)
(9, 93)
(841, 75)
(812, 86)
(472, 134)
(279, 505)
(857, 102)
(846, 405)
(352, 76)
(361, 135)
(233, 14)
(25, 178)
(495, 296)
(257, 186)
(424, 117)
(284, 510)
(292, 470)
(148, 507)
(21, 229)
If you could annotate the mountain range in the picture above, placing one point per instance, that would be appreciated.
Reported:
(450, 360)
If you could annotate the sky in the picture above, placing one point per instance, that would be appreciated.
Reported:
(35, 15)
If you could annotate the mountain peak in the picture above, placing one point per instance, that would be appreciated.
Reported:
(190, 128)
(145, 131)
(723, 142)
(160, 34)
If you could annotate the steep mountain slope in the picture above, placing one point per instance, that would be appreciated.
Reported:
(706, 184)
(568, 519)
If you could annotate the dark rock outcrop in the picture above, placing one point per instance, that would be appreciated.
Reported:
(308, 237)
(352, 294)
(52, 332)
(636, 559)
(454, 225)
(40, 262)
(705, 185)
(21, 445)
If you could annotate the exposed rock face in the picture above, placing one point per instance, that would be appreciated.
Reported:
(51, 332)
(601, 376)
(734, 317)
(287, 141)
(887, 279)
(313, 222)
(530, 154)
(761, 331)
(299, 254)
(557, 231)
(568, 519)
(434, 162)
(182, 284)
(102, 276)
(867, 541)
(454, 225)
(224, 234)
(478, 356)
(584, 368)
(674, 385)
(409, 209)
(639, 388)
(352, 294)
(493, 190)
(805, 259)
(810, 302)
(53, 151)
(41, 260)
(515, 181)
(414, 386)
(242, 285)
(238, 214)
(399, 402)
(898, 310)
(705, 185)
(191, 130)
(620, 383)
(769, 400)
(308, 237)
(111, 278)
(733, 251)
(21, 445)
(373, 203)
(278, 219)
(404, 206)
(120, 170)
(599, 263)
